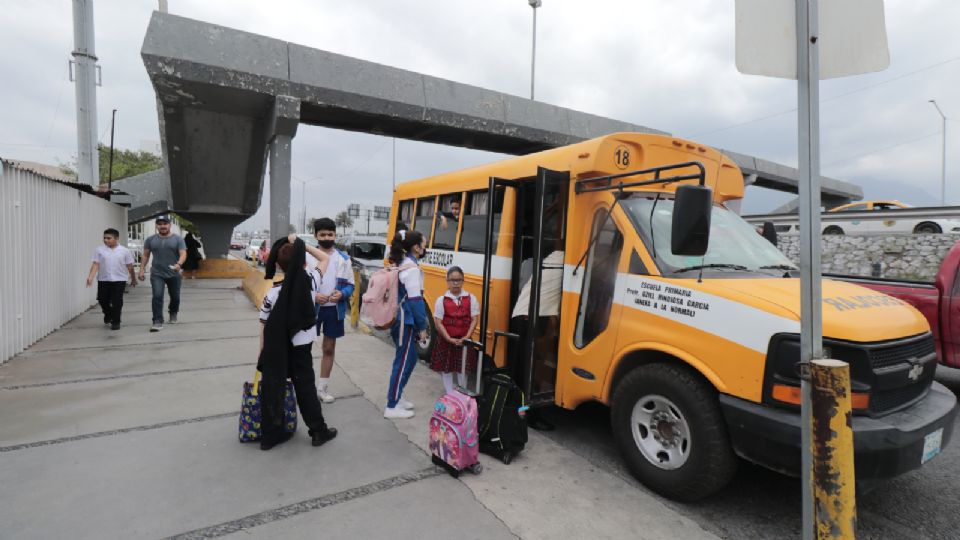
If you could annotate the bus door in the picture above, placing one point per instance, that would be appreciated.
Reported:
(537, 280)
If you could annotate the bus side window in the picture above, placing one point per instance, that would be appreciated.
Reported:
(424, 220)
(473, 231)
(405, 213)
(596, 298)
(448, 217)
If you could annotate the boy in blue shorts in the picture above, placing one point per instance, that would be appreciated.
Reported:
(333, 300)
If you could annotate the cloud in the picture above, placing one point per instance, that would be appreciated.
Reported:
(667, 65)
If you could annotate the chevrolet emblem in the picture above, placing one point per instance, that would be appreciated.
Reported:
(915, 372)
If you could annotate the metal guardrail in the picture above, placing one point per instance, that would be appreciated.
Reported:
(928, 212)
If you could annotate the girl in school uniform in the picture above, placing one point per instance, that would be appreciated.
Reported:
(455, 315)
(406, 249)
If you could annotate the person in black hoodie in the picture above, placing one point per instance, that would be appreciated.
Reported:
(287, 335)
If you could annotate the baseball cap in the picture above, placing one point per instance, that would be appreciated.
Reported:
(163, 217)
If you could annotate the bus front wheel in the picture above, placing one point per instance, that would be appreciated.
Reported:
(670, 431)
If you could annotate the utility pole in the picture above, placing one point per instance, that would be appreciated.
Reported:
(113, 119)
(533, 51)
(943, 157)
(85, 60)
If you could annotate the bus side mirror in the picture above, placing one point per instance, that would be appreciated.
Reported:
(690, 232)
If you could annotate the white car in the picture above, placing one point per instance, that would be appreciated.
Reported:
(876, 226)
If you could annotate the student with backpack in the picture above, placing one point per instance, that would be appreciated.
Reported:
(406, 249)
(455, 315)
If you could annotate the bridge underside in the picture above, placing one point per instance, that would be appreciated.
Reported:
(229, 98)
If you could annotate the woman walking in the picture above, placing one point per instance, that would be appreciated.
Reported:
(192, 263)
(405, 251)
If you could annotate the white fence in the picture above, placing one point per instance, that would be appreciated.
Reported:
(48, 232)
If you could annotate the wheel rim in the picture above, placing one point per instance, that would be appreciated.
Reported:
(660, 432)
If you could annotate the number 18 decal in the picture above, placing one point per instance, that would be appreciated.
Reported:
(621, 157)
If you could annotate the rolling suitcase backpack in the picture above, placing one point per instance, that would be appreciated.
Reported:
(454, 440)
(503, 421)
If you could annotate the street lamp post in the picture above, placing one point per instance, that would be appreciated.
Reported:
(533, 52)
(943, 164)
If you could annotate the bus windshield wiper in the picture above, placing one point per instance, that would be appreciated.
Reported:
(712, 265)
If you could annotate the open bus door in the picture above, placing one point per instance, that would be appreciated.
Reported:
(537, 279)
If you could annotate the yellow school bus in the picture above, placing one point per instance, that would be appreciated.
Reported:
(685, 323)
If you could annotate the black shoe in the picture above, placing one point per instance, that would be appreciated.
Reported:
(106, 319)
(320, 437)
(115, 326)
(265, 445)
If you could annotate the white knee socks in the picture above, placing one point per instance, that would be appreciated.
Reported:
(448, 381)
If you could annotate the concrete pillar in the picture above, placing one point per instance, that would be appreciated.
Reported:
(282, 126)
(215, 232)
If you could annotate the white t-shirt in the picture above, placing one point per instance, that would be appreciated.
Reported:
(328, 282)
(303, 337)
(113, 263)
(474, 305)
(551, 285)
(315, 275)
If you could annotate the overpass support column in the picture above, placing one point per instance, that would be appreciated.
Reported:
(283, 122)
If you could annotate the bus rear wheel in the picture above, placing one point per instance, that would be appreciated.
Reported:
(927, 228)
(833, 229)
(424, 352)
(670, 431)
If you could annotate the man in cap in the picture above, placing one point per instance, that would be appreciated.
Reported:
(168, 251)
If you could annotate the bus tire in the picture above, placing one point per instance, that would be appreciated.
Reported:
(668, 426)
(424, 352)
(833, 229)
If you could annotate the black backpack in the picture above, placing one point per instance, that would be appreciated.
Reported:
(502, 417)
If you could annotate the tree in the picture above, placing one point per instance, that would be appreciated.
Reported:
(344, 220)
(126, 163)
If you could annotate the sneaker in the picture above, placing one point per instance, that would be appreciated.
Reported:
(173, 318)
(157, 326)
(317, 438)
(325, 396)
(404, 404)
(397, 412)
(115, 326)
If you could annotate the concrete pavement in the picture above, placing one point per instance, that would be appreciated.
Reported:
(131, 434)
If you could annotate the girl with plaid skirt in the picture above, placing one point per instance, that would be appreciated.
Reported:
(455, 317)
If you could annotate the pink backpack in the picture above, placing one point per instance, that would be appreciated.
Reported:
(454, 443)
(379, 304)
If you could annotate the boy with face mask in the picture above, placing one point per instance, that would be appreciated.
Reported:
(333, 299)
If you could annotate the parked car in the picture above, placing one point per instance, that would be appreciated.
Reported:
(912, 225)
(237, 244)
(367, 254)
(255, 249)
(937, 301)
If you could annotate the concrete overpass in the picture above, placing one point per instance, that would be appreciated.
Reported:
(227, 99)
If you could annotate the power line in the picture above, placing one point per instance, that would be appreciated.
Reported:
(868, 87)
(884, 149)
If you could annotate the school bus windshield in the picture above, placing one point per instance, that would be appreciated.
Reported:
(734, 243)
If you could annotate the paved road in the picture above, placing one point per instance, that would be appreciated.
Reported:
(763, 504)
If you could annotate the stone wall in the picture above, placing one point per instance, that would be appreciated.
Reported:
(901, 256)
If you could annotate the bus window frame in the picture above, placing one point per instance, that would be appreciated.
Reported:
(427, 235)
(456, 234)
(601, 217)
(500, 195)
(413, 204)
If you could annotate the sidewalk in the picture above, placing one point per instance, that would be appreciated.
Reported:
(131, 434)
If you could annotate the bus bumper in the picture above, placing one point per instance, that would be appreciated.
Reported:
(884, 447)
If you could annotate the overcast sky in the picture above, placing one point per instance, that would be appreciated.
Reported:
(664, 64)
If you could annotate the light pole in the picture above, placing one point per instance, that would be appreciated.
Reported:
(533, 52)
(943, 164)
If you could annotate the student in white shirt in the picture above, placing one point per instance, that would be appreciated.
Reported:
(336, 288)
(112, 265)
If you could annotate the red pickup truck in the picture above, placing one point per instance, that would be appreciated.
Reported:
(938, 301)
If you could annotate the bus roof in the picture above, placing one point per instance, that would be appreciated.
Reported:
(611, 154)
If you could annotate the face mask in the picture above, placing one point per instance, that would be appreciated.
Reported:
(325, 244)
